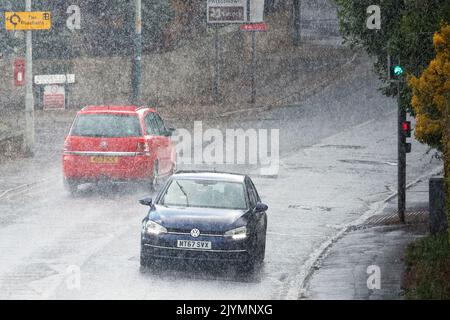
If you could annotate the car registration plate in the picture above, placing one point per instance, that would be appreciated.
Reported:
(105, 160)
(190, 244)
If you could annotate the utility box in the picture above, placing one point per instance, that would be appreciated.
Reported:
(438, 218)
(19, 72)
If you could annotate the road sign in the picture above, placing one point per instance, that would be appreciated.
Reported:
(227, 11)
(54, 79)
(37, 20)
(54, 97)
(261, 27)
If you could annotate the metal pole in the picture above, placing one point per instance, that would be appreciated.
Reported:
(29, 99)
(297, 26)
(401, 158)
(137, 61)
(217, 64)
(253, 96)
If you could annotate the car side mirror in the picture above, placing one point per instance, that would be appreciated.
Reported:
(261, 207)
(146, 201)
(170, 131)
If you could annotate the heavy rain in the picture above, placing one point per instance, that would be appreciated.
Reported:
(221, 150)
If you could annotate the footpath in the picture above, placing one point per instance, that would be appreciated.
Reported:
(367, 262)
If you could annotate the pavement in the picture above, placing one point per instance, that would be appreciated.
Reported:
(343, 271)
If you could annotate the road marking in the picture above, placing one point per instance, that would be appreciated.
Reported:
(23, 186)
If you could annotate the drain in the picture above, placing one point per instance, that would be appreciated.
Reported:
(412, 217)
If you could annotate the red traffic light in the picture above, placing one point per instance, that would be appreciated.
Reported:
(406, 127)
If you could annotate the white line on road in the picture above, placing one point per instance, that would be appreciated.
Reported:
(23, 186)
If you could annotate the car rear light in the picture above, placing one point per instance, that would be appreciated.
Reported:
(142, 148)
(67, 146)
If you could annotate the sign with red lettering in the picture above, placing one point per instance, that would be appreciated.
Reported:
(256, 27)
(54, 97)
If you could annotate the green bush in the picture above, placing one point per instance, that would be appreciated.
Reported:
(428, 268)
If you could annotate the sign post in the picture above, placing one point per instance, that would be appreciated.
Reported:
(255, 17)
(223, 12)
(249, 13)
(28, 20)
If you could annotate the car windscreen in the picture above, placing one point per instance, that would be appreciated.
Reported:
(204, 194)
(106, 125)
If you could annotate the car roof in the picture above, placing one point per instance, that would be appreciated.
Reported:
(114, 109)
(210, 175)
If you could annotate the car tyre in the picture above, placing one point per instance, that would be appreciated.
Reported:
(144, 261)
(71, 186)
(261, 250)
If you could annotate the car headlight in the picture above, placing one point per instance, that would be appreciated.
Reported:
(238, 233)
(152, 227)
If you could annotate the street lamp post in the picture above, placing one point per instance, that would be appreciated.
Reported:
(29, 99)
(137, 60)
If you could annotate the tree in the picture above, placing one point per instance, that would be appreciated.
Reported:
(431, 103)
(407, 28)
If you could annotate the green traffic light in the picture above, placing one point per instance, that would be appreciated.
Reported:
(398, 71)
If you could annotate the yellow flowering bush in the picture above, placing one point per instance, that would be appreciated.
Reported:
(431, 102)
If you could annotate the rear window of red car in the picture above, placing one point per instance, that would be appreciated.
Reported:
(106, 126)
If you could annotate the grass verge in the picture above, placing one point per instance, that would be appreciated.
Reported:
(428, 268)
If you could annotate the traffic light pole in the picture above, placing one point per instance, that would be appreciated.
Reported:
(401, 158)
(29, 99)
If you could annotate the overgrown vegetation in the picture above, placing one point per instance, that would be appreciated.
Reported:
(430, 101)
(407, 29)
(428, 268)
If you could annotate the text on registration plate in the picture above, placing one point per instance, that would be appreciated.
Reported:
(106, 160)
(190, 244)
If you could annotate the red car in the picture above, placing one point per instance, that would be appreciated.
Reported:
(117, 143)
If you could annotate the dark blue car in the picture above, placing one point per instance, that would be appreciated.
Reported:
(205, 216)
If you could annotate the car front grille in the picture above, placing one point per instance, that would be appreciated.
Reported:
(188, 232)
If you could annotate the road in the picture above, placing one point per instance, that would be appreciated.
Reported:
(338, 163)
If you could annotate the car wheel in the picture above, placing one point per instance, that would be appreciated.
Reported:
(155, 176)
(261, 249)
(71, 186)
(144, 262)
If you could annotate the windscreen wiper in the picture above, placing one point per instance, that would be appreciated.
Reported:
(184, 192)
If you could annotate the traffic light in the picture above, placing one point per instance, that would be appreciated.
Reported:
(396, 69)
(406, 127)
(406, 130)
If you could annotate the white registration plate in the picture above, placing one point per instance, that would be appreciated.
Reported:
(190, 244)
